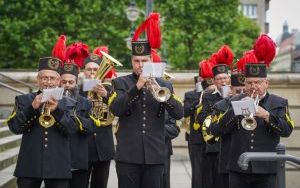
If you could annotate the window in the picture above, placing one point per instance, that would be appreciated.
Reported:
(249, 10)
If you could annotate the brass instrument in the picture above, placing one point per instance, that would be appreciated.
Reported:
(46, 120)
(100, 111)
(161, 94)
(248, 122)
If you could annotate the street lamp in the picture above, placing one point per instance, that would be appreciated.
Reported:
(132, 12)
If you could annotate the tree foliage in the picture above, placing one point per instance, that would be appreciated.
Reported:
(192, 29)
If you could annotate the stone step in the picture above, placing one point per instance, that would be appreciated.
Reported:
(4, 132)
(7, 180)
(8, 157)
(9, 142)
(2, 124)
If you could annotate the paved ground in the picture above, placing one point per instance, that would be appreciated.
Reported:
(180, 174)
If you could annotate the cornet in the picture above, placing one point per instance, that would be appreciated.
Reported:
(161, 94)
(248, 122)
(46, 120)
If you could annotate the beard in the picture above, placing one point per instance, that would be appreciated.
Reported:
(73, 93)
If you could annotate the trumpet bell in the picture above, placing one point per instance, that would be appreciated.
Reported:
(46, 120)
(249, 123)
(162, 94)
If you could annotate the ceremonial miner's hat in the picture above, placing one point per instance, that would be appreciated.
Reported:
(264, 50)
(205, 72)
(58, 56)
(223, 60)
(151, 26)
(96, 56)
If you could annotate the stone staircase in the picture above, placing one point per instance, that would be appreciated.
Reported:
(9, 149)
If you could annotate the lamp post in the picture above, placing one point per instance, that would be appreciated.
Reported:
(132, 14)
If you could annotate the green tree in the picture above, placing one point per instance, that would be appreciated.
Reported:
(195, 29)
(192, 30)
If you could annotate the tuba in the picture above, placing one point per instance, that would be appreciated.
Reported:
(161, 94)
(100, 111)
(248, 122)
(46, 120)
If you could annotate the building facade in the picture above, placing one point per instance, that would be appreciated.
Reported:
(256, 10)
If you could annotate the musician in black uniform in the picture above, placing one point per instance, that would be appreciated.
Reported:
(140, 150)
(273, 121)
(45, 151)
(237, 87)
(212, 178)
(78, 141)
(101, 144)
(195, 142)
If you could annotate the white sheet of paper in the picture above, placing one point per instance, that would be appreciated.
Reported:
(199, 87)
(88, 84)
(153, 70)
(243, 107)
(56, 93)
(225, 91)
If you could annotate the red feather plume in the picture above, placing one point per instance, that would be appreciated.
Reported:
(206, 67)
(98, 50)
(59, 49)
(265, 49)
(225, 56)
(248, 58)
(76, 53)
(155, 57)
(111, 74)
(152, 27)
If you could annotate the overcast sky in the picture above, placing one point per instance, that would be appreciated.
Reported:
(281, 10)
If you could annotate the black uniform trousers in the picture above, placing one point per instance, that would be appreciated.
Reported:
(225, 180)
(100, 173)
(37, 182)
(197, 152)
(238, 180)
(211, 176)
(166, 174)
(139, 175)
(79, 179)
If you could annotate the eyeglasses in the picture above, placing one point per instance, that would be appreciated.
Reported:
(257, 82)
(92, 69)
(47, 79)
(222, 78)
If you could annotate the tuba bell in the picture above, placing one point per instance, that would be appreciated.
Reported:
(100, 111)
(248, 122)
(46, 120)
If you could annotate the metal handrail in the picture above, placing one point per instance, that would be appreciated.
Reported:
(12, 88)
(31, 87)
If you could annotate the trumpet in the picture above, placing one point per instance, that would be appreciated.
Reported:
(46, 120)
(161, 94)
(248, 122)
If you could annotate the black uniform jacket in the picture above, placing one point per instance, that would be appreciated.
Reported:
(209, 100)
(191, 100)
(101, 143)
(141, 132)
(79, 141)
(44, 153)
(264, 138)
(172, 131)
(225, 139)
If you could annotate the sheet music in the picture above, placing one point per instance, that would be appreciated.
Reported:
(88, 84)
(153, 70)
(56, 93)
(243, 107)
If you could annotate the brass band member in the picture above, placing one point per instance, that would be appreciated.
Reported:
(101, 144)
(237, 87)
(191, 103)
(140, 150)
(78, 141)
(223, 59)
(44, 153)
(272, 119)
